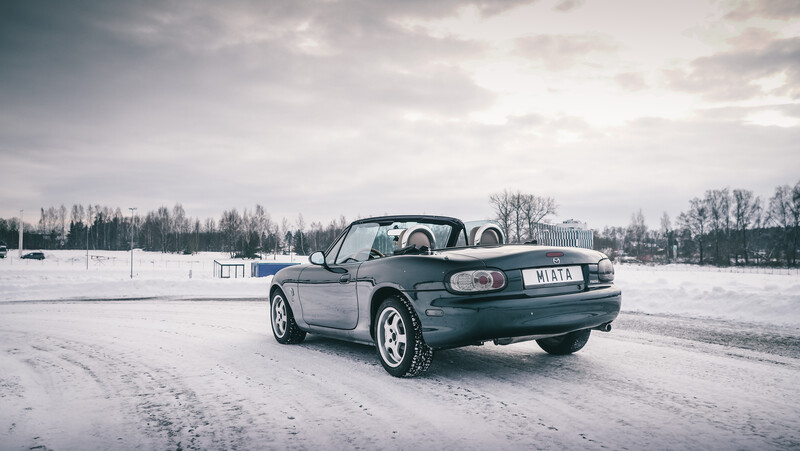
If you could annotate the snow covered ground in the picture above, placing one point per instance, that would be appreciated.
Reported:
(699, 360)
(752, 295)
(64, 275)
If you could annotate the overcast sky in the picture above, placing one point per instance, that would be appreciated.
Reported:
(362, 108)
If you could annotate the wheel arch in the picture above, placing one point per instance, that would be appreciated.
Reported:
(273, 289)
(380, 295)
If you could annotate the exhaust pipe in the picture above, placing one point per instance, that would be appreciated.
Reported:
(511, 340)
(603, 327)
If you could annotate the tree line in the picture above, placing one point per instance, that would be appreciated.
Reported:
(724, 227)
(248, 233)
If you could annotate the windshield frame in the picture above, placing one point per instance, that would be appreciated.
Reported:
(457, 232)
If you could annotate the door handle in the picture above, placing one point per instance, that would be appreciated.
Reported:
(344, 279)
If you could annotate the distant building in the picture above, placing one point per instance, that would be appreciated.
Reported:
(571, 224)
(569, 233)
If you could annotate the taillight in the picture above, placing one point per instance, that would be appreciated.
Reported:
(605, 270)
(481, 280)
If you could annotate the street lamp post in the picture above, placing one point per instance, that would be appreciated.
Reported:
(132, 209)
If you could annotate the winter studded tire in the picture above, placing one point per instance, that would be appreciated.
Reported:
(284, 327)
(398, 338)
(565, 344)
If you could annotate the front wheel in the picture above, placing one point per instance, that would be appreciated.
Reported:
(284, 327)
(398, 337)
(565, 344)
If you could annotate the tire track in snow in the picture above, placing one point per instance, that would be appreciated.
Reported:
(182, 375)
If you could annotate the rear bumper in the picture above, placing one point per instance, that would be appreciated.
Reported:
(450, 321)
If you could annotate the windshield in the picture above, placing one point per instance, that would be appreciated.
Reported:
(357, 244)
(370, 240)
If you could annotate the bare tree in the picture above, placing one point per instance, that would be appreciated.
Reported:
(518, 213)
(517, 216)
(696, 221)
(62, 220)
(794, 210)
(196, 232)
(637, 232)
(666, 235)
(535, 209)
(263, 225)
(210, 228)
(719, 205)
(747, 213)
(315, 230)
(502, 204)
(230, 225)
(77, 214)
(301, 226)
(249, 227)
(179, 226)
(784, 213)
(162, 222)
(90, 214)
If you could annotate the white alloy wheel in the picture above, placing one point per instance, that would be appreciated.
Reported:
(279, 318)
(392, 339)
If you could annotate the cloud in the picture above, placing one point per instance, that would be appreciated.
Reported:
(180, 101)
(147, 73)
(631, 81)
(734, 75)
(769, 9)
(753, 39)
(569, 5)
(333, 108)
(561, 52)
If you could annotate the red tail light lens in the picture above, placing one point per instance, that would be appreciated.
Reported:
(477, 281)
(605, 270)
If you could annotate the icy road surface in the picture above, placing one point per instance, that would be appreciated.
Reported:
(161, 374)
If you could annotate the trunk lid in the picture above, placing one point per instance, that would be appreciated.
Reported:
(509, 257)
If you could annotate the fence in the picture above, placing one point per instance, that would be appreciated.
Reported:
(223, 269)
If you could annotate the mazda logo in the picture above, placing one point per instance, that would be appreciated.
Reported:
(556, 260)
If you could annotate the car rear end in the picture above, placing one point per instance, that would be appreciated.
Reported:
(544, 292)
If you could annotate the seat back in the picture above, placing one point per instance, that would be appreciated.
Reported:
(486, 235)
(418, 235)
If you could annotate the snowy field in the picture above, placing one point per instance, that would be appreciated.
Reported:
(178, 359)
(750, 295)
(66, 275)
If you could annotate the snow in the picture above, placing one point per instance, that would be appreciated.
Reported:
(63, 275)
(190, 363)
(749, 295)
(769, 296)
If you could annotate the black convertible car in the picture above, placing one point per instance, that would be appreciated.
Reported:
(414, 284)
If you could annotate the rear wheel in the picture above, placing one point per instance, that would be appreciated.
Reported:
(284, 327)
(565, 344)
(398, 337)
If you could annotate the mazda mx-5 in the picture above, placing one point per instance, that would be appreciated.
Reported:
(410, 285)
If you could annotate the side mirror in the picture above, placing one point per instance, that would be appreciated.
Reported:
(317, 258)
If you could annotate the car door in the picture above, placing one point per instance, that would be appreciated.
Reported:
(327, 292)
(328, 297)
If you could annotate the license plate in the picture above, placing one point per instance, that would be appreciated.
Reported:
(537, 277)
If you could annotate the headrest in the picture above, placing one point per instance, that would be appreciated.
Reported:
(486, 235)
(419, 235)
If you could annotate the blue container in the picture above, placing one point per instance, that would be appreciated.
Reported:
(267, 269)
